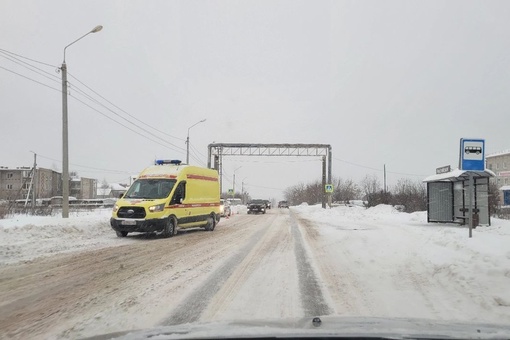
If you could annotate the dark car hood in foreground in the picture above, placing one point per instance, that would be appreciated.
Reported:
(331, 326)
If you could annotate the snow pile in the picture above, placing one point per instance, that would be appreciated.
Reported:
(24, 237)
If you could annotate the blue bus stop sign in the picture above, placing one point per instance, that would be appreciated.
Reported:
(472, 154)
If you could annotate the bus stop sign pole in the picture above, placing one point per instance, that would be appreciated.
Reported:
(470, 203)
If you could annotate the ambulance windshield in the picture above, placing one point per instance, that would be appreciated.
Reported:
(150, 188)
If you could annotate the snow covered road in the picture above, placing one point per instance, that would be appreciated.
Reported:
(305, 261)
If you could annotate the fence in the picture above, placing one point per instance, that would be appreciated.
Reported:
(50, 206)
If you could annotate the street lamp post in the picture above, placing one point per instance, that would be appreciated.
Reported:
(65, 140)
(242, 191)
(187, 140)
(234, 182)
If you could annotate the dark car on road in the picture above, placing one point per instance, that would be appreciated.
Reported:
(257, 206)
(283, 204)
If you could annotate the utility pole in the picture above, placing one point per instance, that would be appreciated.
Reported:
(242, 191)
(65, 145)
(65, 141)
(34, 188)
(234, 182)
(187, 140)
(323, 182)
(187, 148)
(471, 191)
(384, 178)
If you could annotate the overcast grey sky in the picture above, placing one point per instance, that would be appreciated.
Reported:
(384, 82)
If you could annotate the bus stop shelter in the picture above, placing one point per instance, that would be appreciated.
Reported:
(448, 197)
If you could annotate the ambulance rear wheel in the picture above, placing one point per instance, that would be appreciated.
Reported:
(211, 223)
(170, 228)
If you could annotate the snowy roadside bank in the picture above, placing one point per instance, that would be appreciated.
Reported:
(398, 258)
(24, 238)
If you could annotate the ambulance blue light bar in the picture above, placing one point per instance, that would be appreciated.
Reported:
(168, 161)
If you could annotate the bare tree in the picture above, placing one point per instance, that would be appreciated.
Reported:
(494, 199)
(104, 184)
(314, 192)
(412, 195)
(310, 193)
(371, 188)
(346, 190)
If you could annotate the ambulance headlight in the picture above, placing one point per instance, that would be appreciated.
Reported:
(115, 208)
(156, 208)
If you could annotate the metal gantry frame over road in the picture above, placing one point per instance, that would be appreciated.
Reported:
(218, 150)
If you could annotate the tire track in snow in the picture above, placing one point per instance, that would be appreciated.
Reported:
(349, 293)
(269, 249)
(192, 307)
(312, 297)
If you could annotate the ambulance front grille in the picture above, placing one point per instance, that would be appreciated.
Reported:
(131, 212)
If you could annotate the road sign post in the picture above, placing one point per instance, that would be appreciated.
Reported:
(328, 189)
(471, 159)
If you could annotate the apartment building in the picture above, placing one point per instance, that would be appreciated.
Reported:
(18, 183)
(83, 188)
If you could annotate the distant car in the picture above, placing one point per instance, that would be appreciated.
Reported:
(256, 206)
(268, 204)
(225, 209)
(283, 204)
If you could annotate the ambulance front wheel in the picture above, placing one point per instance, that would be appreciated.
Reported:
(121, 233)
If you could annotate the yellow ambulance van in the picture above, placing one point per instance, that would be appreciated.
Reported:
(166, 197)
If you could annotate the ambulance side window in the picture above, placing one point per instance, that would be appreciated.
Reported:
(180, 193)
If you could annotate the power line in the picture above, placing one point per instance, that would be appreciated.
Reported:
(150, 126)
(35, 81)
(195, 156)
(404, 174)
(35, 61)
(59, 90)
(84, 166)
(375, 169)
(127, 127)
(260, 186)
(359, 165)
(32, 68)
(118, 115)
(201, 154)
